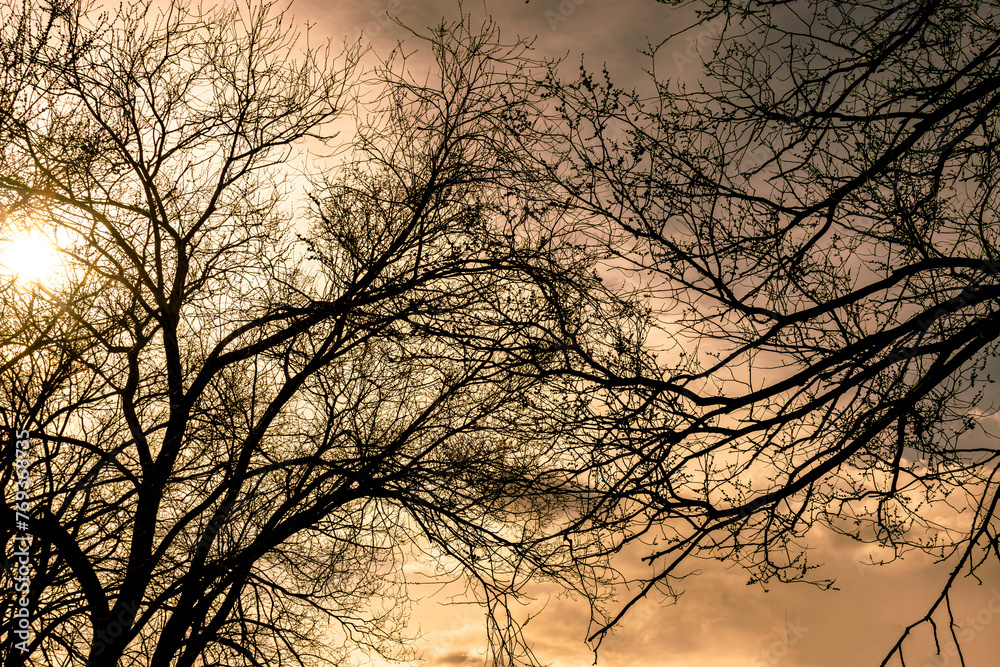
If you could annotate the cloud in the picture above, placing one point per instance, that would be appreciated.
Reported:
(720, 621)
(459, 658)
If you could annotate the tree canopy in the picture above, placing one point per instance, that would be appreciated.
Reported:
(813, 227)
(275, 365)
(257, 388)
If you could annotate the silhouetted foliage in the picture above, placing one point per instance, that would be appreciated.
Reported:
(248, 411)
(813, 228)
(273, 369)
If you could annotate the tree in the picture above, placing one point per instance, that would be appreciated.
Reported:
(242, 424)
(813, 231)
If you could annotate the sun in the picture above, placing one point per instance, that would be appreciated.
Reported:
(31, 257)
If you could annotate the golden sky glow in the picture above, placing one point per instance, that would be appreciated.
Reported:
(720, 621)
(31, 257)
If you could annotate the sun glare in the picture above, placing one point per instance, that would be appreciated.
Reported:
(31, 258)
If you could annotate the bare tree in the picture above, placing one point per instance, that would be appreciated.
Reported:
(242, 424)
(813, 230)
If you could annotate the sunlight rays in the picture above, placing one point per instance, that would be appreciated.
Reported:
(29, 257)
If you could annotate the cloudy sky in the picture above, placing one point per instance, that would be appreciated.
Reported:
(720, 621)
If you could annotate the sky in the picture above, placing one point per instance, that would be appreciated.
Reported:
(720, 621)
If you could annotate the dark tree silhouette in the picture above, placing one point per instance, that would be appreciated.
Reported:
(813, 230)
(247, 411)
(250, 407)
